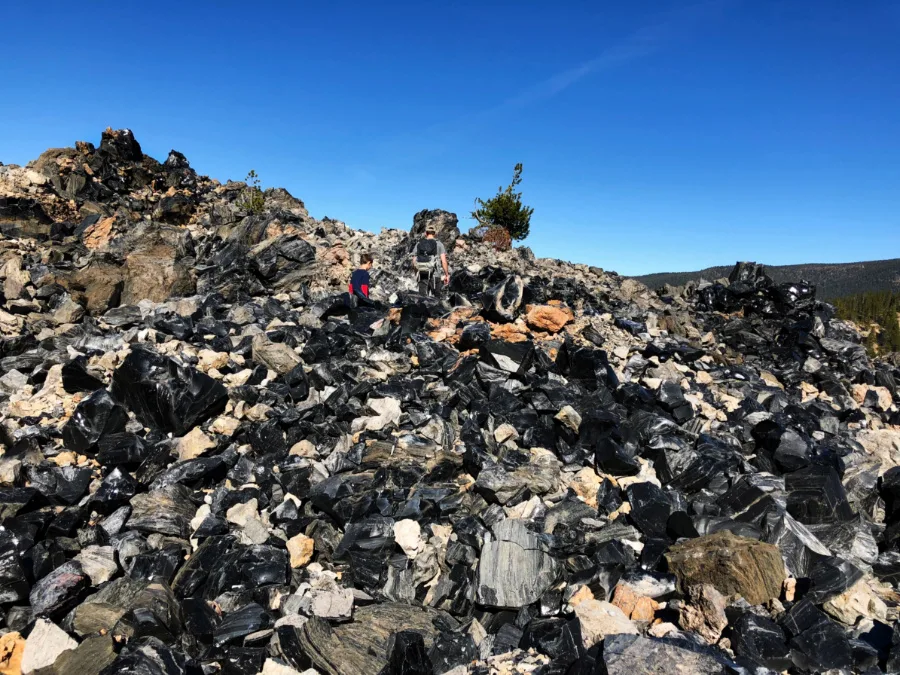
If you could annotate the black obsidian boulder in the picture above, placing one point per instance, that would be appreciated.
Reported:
(556, 637)
(244, 621)
(511, 357)
(474, 335)
(76, 378)
(762, 641)
(407, 655)
(60, 590)
(612, 457)
(117, 488)
(165, 395)
(816, 495)
(96, 416)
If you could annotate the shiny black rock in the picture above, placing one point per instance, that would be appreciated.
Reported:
(248, 619)
(165, 395)
(96, 416)
(407, 655)
(761, 640)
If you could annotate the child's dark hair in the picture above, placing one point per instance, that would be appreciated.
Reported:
(366, 258)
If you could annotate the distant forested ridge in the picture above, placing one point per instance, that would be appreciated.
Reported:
(879, 307)
(832, 281)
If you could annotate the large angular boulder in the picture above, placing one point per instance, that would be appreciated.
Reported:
(276, 356)
(146, 261)
(165, 395)
(599, 619)
(732, 565)
(503, 300)
(363, 646)
(636, 655)
(156, 272)
(444, 222)
(514, 570)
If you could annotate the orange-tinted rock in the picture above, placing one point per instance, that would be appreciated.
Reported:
(585, 484)
(99, 234)
(582, 594)
(336, 255)
(636, 607)
(548, 317)
(625, 599)
(644, 609)
(446, 332)
(510, 332)
(12, 647)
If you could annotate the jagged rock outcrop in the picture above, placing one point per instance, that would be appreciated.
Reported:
(444, 223)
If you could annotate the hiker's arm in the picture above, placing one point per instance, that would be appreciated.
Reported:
(445, 266)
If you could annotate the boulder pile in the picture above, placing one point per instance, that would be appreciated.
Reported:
(212, 464)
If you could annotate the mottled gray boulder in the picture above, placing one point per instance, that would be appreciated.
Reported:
(514, 570)
(445, 225)
(636, 655)
(276, 356)
(498, 485)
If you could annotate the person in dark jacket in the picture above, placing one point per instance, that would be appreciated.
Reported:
(429, 257)
(358, 287)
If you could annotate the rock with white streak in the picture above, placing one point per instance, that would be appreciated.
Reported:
(514, 569)
(387, 411)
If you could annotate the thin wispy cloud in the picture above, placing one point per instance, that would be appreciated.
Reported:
(647, 40)
(642, 43)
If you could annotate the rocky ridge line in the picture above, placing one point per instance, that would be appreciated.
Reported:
(210, 465)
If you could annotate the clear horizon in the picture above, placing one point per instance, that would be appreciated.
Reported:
(673, 136)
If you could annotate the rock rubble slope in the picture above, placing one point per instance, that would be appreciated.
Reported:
(211, 465)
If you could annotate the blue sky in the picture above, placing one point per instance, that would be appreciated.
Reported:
(656, 135)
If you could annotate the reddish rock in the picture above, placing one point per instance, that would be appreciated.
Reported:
(704, 612)
(551, 318)
(636, 607)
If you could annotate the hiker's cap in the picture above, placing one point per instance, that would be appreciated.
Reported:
(430, 229)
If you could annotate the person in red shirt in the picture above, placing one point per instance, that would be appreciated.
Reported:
(359, 281)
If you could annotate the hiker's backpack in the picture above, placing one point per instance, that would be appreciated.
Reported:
(426, 256)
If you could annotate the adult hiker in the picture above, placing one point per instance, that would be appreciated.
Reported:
(430, 257)
(358, 287)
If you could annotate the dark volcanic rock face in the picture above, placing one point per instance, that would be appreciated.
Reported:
(212, 464)
(444, 223)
